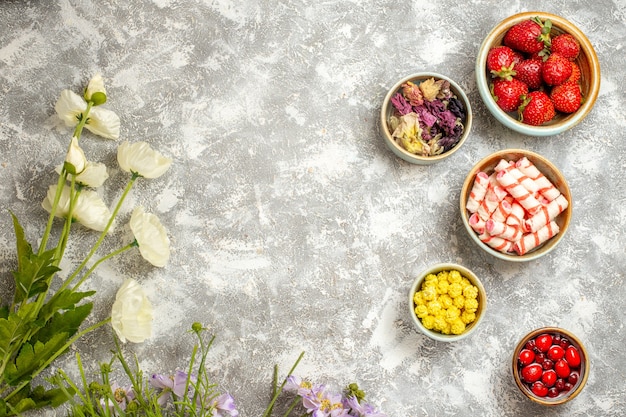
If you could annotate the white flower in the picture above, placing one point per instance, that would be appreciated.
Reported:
(94, 175)
(151, 236)
(75, 161)
(90, 210)
(139, 158)
(131, 314)
(70, 108)
(95, 91)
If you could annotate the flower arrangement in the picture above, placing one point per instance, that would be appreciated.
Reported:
(46, 314)
(44, 317)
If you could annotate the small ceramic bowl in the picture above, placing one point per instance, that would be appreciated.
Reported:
(388, 110)
(550, 172)
(479, 313)
(564, 387)
(587, 61)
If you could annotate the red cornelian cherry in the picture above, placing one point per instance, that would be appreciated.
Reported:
(539, 389)
(547, 364)
(526, 357)
(543, 342)
(555, 352)
(560, 384)
(573, 378)
(549, 378)
(572, 356)
(553, 392)
(562, 368)
(531, 373)
(564, 343)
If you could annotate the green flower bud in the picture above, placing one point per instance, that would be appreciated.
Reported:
(132, 407)
(197, 327)
(95, 91)
(105, 368)
(98, 98)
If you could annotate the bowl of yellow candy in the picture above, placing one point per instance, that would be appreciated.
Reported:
(447, 302)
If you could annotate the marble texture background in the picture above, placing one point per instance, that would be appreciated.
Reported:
(293, 227)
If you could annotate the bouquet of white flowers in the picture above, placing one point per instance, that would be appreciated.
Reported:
(44, 317)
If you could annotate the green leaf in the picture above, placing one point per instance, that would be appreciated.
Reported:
(31, 358)
(4, 312)
(67, 322)
(63, 300)
(24, 405)
(33, 271)
(14, 328)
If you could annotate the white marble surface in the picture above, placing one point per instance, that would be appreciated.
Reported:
(293, 227)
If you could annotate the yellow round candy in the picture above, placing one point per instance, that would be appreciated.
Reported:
(421, 311)
(454, 290)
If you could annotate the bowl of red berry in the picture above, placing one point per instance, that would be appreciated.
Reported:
(550, 366)
(538, 74)
(425, 118)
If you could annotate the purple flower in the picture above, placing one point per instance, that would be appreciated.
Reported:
(401, 104)
(122, 397)
(320, 403)
(362, 409)
(224, 406)
(172, 384)
(298, 385)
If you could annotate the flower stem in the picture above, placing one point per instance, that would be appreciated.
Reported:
(55, 204)
(99, 261)
(103, 234)
(268, 411)
(83, 120)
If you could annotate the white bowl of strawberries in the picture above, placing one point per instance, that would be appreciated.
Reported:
(538, 74)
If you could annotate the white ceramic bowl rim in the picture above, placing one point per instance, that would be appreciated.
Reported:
(434, 269)
(458, 90)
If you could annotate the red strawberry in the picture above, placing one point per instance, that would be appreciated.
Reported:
(556, 70)
(565, 45)
(575, 77)
(529, 72)
(500, 61)
(528, 36)
(536, 109)
(508, 93)
(566, 97)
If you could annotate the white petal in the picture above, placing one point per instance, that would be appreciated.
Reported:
(69, 106)
(94, 175)
(141, 159)
(96, 85)
(91, 211)
(103, 122)
(76, 157)
(151, 236)
(64, 202)
(132, 313)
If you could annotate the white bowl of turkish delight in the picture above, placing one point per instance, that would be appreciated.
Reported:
(516, 205)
